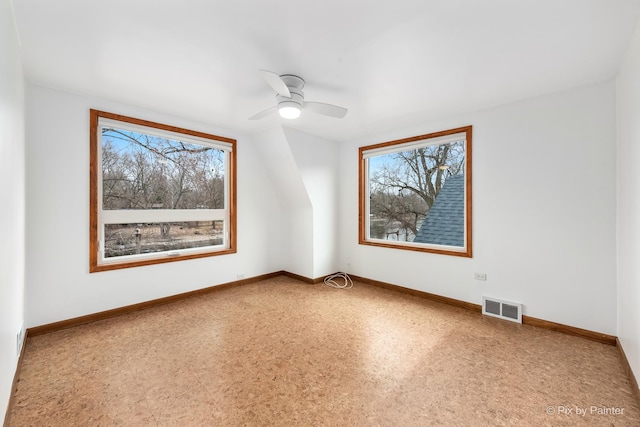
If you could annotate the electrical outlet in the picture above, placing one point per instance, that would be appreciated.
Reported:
(480, 276)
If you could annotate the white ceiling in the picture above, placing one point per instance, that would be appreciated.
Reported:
(391, 63)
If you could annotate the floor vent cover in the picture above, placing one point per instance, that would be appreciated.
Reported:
(503, 309)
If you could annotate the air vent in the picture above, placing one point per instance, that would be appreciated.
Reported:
(503, 309)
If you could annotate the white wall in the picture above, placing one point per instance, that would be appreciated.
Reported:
(628, 114)
(58, 283)
(293, 199)
(317, 163)
(544, 211)
(298, 233)
(12, 200)
(303, 169)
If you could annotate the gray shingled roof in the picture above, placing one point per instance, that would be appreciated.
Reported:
(444, 224)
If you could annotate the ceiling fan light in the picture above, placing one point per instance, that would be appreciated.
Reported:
(289, 110)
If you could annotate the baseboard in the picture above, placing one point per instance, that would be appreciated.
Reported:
(527, 320)
(14, 384)
(629, 371)
(102, 315)
(303, 278)
(570, 330)
(433, 297)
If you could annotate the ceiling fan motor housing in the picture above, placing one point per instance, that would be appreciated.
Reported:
(295, 85)
(292, 82)
(296, 100)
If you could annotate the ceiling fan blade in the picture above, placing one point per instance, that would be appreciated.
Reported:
(264, 113)
(276, 83)
(326, 109)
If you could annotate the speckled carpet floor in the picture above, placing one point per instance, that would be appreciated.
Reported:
(281, 352)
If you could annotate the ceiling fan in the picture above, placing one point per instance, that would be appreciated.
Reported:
(290, 98)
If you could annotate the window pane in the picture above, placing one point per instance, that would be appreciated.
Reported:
(131, 239)
(418, 195)
(141, 171)
(158, 193)
(415, 193)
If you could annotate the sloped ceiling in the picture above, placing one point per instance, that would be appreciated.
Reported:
(391, 63)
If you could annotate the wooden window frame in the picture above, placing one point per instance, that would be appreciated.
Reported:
(96, 264)
(363, 189)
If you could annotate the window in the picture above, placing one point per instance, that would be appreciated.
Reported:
(415, 193)
(158, 193)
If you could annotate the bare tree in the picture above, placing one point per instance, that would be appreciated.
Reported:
(146, 172)
(405, 185)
